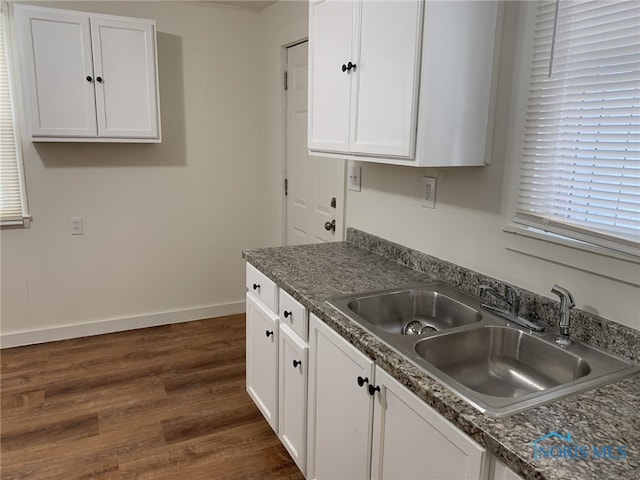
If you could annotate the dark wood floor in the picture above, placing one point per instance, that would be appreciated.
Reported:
(158, 403)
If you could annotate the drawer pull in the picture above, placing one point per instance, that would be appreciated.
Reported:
(287, 314)
(268, 333)
(296, 363)
(373, 390)
(362, 381)
(256, 286)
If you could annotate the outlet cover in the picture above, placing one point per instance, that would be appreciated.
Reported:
(76, 226)
(429, 192)
(354, 178)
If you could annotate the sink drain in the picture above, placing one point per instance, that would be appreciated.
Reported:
(416, 328)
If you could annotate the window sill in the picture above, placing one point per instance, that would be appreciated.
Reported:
(573, 253)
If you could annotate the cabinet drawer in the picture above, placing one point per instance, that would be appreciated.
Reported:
(259, 285)
(294, 315)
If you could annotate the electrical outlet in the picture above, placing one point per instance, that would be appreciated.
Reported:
(76, 226)
(354, 178)
(429, 192)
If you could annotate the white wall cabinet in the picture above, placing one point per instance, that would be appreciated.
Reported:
(423, 86)
(364, 72)
(87, 77)
(355, 410)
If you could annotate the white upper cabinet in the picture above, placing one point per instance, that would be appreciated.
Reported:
(331, 27)
(87, 77)
(406, 83)
(364, 68)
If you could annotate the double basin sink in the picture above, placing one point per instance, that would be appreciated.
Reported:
(493, 364)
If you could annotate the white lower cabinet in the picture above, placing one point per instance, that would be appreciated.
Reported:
(365, 424)
(340, 407)
(292, 389)
(412, 440)
(338, 415)
(262, 358)
(499, 471)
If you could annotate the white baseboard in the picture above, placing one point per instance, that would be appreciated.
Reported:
(65, 332)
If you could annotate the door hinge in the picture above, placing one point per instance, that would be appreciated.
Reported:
(286, 187)
(286, 80)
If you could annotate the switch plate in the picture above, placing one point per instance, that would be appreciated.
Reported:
(76, 225)
(429, 192)
(354, 178)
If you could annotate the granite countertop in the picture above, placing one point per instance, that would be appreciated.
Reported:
(606, 416)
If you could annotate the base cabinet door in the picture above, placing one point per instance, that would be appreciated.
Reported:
(262, 358)
(412, 440)
(292, 395)
(340, 406)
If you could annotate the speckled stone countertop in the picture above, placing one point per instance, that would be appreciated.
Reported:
(606, 416)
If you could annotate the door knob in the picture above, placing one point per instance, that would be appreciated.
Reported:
(330, 226)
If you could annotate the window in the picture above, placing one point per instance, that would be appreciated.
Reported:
(580, 171)
(13, 201)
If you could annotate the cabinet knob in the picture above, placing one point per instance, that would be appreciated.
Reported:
(269, 333)
(373, 390)
(362, 381)
(256, 286)
(348, 67)
(287, 314)
(89, 78)
(99, 79)
(296, 363)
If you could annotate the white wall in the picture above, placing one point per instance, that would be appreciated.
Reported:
(473, 205)
(164, 225)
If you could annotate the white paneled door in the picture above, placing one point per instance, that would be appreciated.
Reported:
(315, 186)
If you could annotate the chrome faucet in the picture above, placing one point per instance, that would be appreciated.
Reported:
(509, 312)
(511, 298)
(566, 304)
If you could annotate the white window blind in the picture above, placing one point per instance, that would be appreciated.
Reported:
(580, 171)
(13, 202)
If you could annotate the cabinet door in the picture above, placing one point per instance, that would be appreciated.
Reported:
(262, 359)
(386, 82)
(125, 67)
(340, 410)
(330, 46)
(55, 56)
(292, 395)
(412, 440)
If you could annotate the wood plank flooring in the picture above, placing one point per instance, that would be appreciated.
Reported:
(158, 403)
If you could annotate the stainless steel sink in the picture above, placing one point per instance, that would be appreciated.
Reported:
(411, 311)
(497, 366)
(502, 361)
